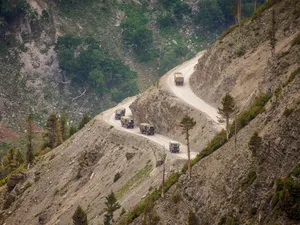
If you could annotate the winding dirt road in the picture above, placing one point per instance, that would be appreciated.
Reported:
(184, 93)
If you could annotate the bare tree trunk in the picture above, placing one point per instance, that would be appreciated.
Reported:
(255, 5)
(189, 154)
(227, 128)
(235, 137)
(163, 178)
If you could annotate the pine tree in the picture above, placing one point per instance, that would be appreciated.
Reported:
(73, 130)
(111, 206)
(192, 219)
(80, 217)
(19, 157)
(30, 135)
(85, 119)
(227, 110)
(53, 131)
(187, 123)
(255, 143)
(64, 126)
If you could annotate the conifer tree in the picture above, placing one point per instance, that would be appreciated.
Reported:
(227, 110)
(80, 217)
(19, 157)
(85, 119)
(255, 143)
(30, 135)
(187, 123)
(73, 130)
(111, 206)
(64, 126)
(53, 131)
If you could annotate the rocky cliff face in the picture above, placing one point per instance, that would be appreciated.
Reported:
(236, 186)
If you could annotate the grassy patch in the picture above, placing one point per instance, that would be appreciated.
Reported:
(248, 180)
(134, 181)
(246, 116)
(228, 31)
(292, 76)
(286, 197)
(263, 8)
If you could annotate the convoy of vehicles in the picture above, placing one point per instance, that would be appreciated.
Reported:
(147, 128)
(119, 113)
(178, 78)
(174, 147)
(127, 122)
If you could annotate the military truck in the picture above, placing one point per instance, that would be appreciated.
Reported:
(174, 147)
(119, 113)
(178, 78)
(147, 129)
(127, 122)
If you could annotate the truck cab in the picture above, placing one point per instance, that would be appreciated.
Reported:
(147, 129)
(127, 122)
(178, 78)
(119, 113)
(174, 147)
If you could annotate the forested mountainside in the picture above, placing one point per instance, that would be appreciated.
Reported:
(253, 178)
(75, 57)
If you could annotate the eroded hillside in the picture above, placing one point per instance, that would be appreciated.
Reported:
(235, 185)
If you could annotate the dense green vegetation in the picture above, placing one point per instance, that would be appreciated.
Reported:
(87, 63)
(286, 197)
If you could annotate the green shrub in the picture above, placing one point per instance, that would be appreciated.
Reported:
(277, 92)
(286, 197)
(293, 76)
(228, 220)
(241, 51)
(296, 171)
(3, 181)
(117, 176)
(244, 118)
(263, 8)
(296, 40)
(247, 181)
(255, 143)
(176, 197)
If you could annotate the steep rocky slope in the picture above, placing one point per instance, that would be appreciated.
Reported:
(81, 172)
(242, 63)
(236, 186)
